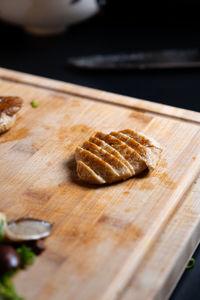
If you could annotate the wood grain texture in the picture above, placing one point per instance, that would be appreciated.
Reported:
(107, 239)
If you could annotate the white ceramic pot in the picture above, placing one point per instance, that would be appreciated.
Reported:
(47, 16)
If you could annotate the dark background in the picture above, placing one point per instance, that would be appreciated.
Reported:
(122, 26)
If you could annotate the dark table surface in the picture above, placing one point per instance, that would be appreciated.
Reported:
(46, 56)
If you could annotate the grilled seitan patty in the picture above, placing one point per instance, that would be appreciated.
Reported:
(99, 166)
(116, 164)
(108, 158)
(112, 151)
(144, 152)
(148, 142)
(134, 159)
(87, 174)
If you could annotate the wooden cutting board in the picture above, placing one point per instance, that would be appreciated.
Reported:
(129, 240)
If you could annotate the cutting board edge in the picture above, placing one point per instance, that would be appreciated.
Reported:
(165, 291)
(187, 256)
(176, 268)
(129, 268)
(102, 96)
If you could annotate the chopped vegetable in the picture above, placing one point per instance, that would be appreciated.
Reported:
(35, 105)
(26, 255)
(7, 289)
(191, 263)
(2, 234)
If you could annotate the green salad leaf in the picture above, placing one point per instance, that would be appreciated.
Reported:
(2, 234)
(7, 289)
(27, 256)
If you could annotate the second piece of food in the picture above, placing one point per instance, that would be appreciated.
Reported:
(9, 106)
(107, 158)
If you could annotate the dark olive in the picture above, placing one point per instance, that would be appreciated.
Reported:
(36, 246)
(39, 247)
(9, 259)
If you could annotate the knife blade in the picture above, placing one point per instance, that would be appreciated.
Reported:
(163, 59)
